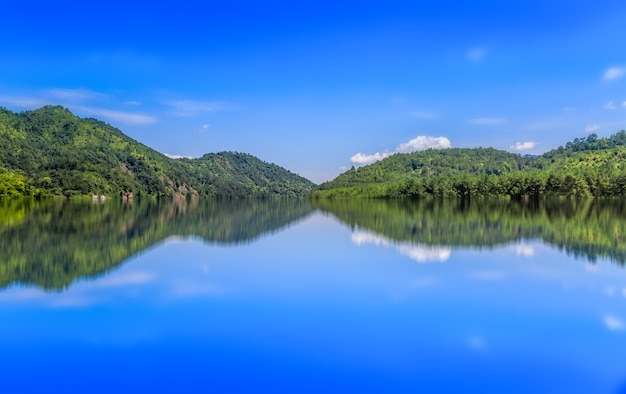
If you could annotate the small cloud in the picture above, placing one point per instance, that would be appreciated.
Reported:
(568, 109)
(417, 252)
(476, 54)
(423, 114)
(119, 116)
(206, 126)
(487, 121)
(592, 128)
(613, 323)
(128, 279)
(522, 146)
(524, 250)
(609, 105)
(177, 156)
(624, 104)
(423, 143)
(424, 254)
(361, 158)
(614, 73)
(132, 102)
(74, 94)
(419, 143)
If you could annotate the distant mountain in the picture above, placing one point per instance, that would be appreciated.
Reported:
(50, 151)
(586, 167)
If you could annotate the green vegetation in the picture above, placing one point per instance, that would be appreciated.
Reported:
(50, 152)
(587, 167)
(52, 243)
(589, 229)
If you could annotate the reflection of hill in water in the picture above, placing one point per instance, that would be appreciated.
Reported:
(589, 229)
(52, 244)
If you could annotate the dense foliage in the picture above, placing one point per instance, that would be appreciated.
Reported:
(587, 167)
(50, 151)
(52, 243)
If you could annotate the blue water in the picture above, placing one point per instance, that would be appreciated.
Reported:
(319, 306)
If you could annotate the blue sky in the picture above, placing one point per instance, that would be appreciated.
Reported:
(310, 85)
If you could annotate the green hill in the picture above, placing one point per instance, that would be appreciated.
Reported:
(586, 167)
(50, 151)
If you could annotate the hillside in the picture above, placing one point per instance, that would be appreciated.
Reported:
(430, 163)
(586, 167)
(50, 151)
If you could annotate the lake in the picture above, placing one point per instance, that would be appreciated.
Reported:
(296, 296)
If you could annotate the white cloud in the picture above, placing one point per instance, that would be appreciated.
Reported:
(614, 73)
(476, 54)
(132, 102)
(206, 126)
(419, 143)
(425, 254)
(522, 146)
(118, 116)
(487, 121)
(361, 158)
(609, 105)
(417, 252)
(613, 323)
(624, 104)
(176, 156)
(524, 250)
(422, 143)
(592, 128)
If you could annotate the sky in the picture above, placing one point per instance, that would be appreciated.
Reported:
(318, 87)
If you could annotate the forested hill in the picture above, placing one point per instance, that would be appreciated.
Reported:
(433, 162)
(585, 167)
(49, 151)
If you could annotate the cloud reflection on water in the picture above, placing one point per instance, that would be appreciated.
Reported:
(417, 252)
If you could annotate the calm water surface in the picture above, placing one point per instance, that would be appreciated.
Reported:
(330, 297)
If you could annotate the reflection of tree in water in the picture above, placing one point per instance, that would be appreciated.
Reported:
(51, 244)
(589, 229)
